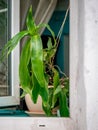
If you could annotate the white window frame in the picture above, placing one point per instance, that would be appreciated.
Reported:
(77, 119)
(14, 99)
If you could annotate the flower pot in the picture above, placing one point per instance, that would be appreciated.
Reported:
(34, 108)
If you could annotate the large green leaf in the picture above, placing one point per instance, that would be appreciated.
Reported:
(24, 73)
(37, 60)
(12, 44)
(38, 66)
(38, 90)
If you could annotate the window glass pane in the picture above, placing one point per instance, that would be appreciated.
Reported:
(4, 79)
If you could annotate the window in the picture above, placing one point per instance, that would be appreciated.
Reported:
(9, 25)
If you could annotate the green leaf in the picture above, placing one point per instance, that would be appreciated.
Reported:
(57, 90)
(56, 81)
(50, 51)
(47, 109)
(23, 94)
(37, 60)
(56, 95)
(49, 29)
(66, 87)
(64, 110)
(30, 22)
(38, 66)
(35, 89)
(38, 90)
(49, 44)
(44, 94)
(24, 73)
(12, 44)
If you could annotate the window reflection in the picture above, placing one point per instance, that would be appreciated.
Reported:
(4, 91)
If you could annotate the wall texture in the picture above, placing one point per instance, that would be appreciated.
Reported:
(84, 63)
(91, 62)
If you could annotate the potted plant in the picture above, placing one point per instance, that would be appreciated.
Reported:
(37, 70)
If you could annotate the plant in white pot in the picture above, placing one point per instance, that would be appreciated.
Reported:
(37, 70)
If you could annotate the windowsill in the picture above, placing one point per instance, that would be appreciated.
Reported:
(12, 113)
(36, 123)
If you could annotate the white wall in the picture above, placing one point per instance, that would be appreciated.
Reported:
(84, 63)
(91, 62)
(77, 88)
